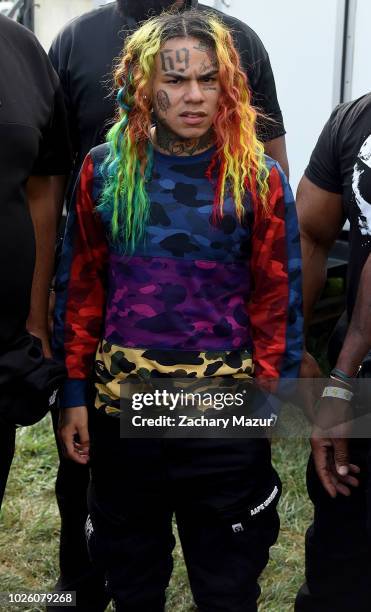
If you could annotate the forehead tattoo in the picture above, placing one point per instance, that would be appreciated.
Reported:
(209, 63)
(174, 60)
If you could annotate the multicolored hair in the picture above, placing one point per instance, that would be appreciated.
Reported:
(238, 164)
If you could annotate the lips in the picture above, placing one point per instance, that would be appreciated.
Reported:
(190, 118)
(193, 114)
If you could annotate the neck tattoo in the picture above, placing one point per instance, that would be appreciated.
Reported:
(173, 144)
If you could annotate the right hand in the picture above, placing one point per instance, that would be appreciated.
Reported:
(73, 433)
(309, 367)
(331, 460)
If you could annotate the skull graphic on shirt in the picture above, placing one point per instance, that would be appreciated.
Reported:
(361, 185)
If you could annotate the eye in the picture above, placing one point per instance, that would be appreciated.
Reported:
(209, 79)
(173, 81)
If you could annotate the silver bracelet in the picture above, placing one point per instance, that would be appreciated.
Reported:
(338, 392)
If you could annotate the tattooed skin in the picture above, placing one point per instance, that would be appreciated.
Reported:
(168, 141)
(163, 101)
(171, 61)
(205, 48)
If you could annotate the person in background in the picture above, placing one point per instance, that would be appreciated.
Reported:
(83, 54)
(176, 230)
(34, 160)
(336, 187)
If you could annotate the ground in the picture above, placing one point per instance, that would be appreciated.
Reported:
(29, 525)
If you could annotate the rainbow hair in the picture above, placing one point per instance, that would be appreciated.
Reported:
(238, 164)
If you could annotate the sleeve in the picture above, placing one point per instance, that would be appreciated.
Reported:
(60, 57)
(275, 308)
(80, 290)
(323, 169)
(55, 157)
(257, 66)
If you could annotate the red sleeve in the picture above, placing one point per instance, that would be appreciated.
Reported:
(276, 302)
(86, 296)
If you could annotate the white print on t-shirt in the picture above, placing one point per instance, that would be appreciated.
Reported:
(362, 164)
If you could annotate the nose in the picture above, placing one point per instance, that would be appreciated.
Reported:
(194, 92)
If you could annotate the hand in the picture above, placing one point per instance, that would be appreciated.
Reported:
(330, 446)
(309, 367)
(73, 433)
(332, 465)
(44, 337)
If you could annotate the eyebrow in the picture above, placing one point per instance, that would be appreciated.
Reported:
(180, 75)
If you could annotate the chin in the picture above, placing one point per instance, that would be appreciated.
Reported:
(192, 132)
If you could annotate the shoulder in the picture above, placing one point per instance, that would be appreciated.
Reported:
(245, 37)
(351, 113)
(99, 153)
(10, 29)
(26, 49)
(86, 24)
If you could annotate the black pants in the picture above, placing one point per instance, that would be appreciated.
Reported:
(212, 487)
(77, 572)
(7, 444)
(337, 545)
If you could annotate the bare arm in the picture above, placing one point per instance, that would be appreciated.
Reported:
(276, 149)
(45, 199)
(320, 216)
(357, 342)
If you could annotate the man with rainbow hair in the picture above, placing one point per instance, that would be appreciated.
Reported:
(181, 258)
(82, 54)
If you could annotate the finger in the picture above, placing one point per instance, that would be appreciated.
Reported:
(84, 439)
(339, 486)
(354, 468)
(341, 457)
(67, 434)
(81, 445)
(321, 464)
(350, 480)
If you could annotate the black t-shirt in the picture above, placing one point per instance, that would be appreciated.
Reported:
(341, 163)
(33, 141)
(83, 55)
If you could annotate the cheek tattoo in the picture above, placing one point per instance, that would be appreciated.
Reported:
(163, 101)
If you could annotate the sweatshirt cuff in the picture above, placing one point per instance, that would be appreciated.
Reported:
(74, 393)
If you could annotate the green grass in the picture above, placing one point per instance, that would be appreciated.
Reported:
(29, 525)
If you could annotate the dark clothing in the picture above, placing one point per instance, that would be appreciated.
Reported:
(341, 163)
(337, 544)
(77, 572)
(83, 54)
(7, 447)
(33, 138)
(211, 486)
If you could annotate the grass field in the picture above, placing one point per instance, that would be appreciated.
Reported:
(29, 525)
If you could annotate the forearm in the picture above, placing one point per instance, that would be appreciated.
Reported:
(357, 342)
(314, 271)
(44, 215)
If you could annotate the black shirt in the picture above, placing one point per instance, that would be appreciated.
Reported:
(33, 141)
(83, 54)
(341, 163)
